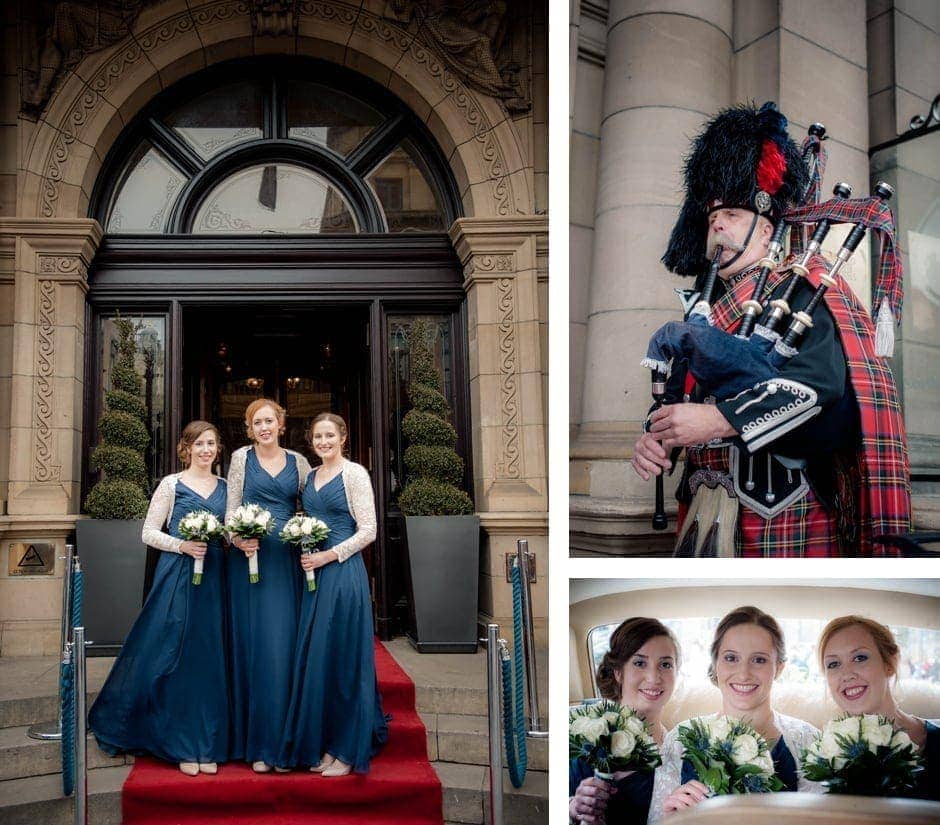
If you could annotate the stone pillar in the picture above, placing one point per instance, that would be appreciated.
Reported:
(668, 68)
(505, 262)
(44, 407)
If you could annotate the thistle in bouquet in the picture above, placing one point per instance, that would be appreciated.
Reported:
(250, 521)
(611, 737)
(306, 532)
(729, 756)
(865, 755)
(200, 525)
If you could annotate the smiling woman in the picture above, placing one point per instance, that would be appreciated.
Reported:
(751, 654)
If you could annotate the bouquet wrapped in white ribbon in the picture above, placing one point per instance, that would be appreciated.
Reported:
(611, 737)
(729, 756)
(864, 755)
(250, 521)
(200, 525)
(306, 532)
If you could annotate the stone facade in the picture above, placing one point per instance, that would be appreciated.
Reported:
(645, 77)
(490, 120)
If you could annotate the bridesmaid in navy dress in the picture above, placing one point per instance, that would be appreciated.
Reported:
(335, 722)
(860, 657)
(167, 694)
(263, 616)
(638, 671)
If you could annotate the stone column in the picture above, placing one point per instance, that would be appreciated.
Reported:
(45, 414)
(668, 68)
(505, 262)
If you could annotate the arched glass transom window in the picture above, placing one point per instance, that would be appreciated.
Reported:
(276, 147)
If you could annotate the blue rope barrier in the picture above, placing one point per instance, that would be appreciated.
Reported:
(67, 698)
(78, 593)
(514, 726)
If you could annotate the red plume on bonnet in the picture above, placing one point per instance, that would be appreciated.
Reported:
(771, 168)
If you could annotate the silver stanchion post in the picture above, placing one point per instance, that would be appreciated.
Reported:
(53, 729)
(81, 729)
(535, 725)
(494, 698)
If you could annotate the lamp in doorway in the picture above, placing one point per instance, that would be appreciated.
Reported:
(442, 533)
(109, 543)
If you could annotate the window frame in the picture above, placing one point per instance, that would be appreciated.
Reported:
(347, 173)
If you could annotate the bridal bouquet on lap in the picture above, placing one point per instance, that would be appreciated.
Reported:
(610, 737)
(729, 756)
(864, 755)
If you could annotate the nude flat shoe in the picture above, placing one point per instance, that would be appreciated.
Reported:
(208, 767)
(325, 762)
(281, 770)
(338, 768)
(260, 767)
(190, 768)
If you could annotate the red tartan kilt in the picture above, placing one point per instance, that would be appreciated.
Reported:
(805, 529)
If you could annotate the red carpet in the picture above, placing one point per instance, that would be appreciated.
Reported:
(400, 789)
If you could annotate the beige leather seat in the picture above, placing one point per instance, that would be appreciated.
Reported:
(808, 809)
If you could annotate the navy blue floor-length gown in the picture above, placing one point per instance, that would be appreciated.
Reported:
(335, 705)
(167, 694)
(263, 619)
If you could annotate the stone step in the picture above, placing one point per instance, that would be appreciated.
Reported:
(464, 739)
(467, 796)
(22, 756)
(38, 799)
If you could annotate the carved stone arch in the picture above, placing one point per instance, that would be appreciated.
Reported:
(171, 40)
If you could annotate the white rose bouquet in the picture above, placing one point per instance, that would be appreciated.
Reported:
(729, 756)
(200, 525)
(306, 532)
(250, 521)
(863, 755)
(611, 737)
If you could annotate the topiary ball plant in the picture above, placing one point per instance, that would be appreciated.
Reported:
(433, 467)
(121, 493)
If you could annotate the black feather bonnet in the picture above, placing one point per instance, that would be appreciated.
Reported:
(744, 158)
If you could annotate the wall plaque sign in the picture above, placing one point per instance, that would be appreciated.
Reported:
(31, 559)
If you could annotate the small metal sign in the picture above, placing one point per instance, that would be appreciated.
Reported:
(31, 559)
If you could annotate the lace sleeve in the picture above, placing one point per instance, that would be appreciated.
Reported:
(798, 736)
(236, 481)
(362, 507)
(668, 776)
(303, 470)
(161, 505)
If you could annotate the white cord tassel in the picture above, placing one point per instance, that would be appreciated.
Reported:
(884, 330)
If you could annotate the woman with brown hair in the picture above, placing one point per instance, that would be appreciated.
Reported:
(167, 694)
(263, 615)
(748, 653)
(639, 671)
(859, 658)
(335, 723)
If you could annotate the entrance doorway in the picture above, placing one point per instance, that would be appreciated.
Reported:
(308, 360)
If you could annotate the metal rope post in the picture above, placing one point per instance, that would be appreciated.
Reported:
(493, 696)
(535, 724)
(81, 729)
(53, 729)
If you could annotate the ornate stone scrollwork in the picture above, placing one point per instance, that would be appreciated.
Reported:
(44, 468)
(56, 36)
(274, 17)
(508, 465)
(484, 42)
(59, 264)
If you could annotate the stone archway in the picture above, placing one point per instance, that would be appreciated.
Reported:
(171, 40)
(501, 243)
